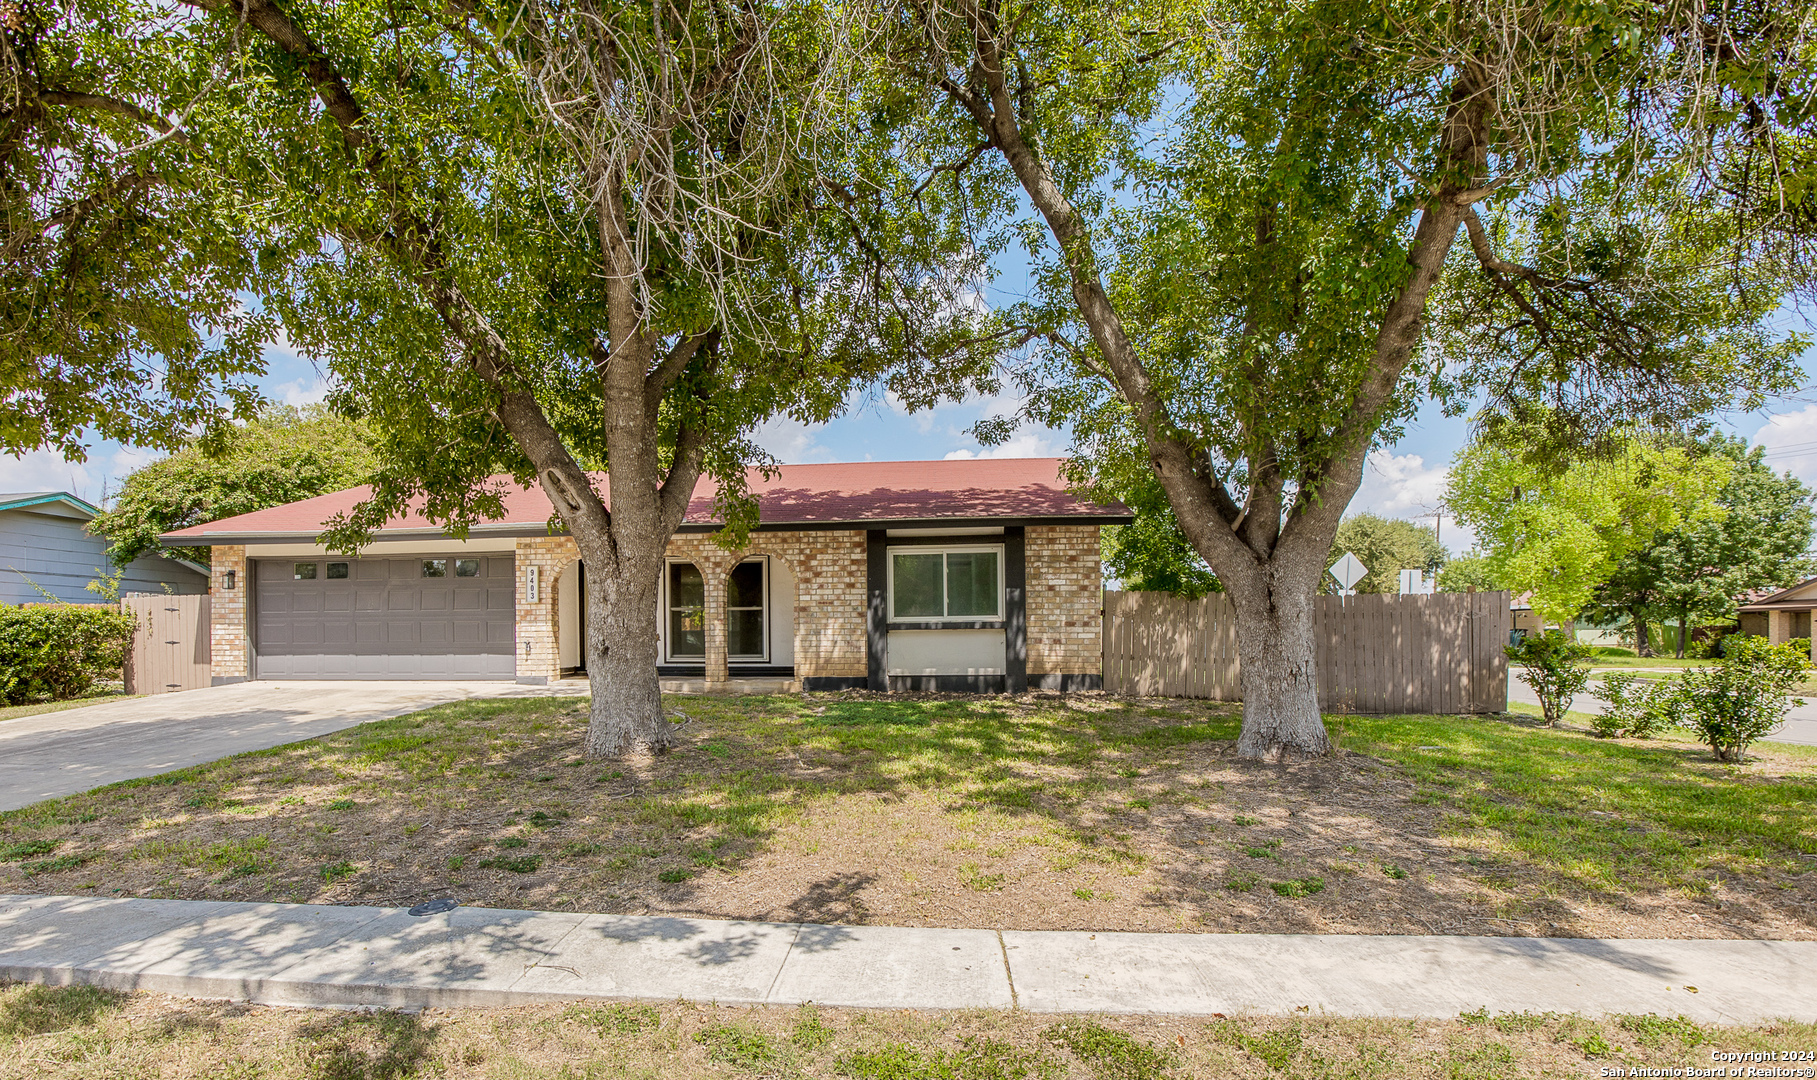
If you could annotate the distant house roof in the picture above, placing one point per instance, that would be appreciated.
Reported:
(897, 494)
(60, 503)
(1800, 597)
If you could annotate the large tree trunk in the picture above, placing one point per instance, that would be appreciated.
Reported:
(1277, 653)
(621, 663)
(1643, 644)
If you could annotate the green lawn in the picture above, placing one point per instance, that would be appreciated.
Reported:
(13, 712)
(51, 1033)
(1040, 812)
(1607, 813)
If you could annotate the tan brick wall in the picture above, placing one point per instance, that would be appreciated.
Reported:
(1065, 600)
(829, 576)
(538, 648)
(228, 654)
(829, 595)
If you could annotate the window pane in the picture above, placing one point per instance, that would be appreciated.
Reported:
(435, 567)
(305, 571)
(971, 584)
(744, 632)
(687, 589)
(337, 571)
(744, 588)
(466, 568)
(687, 633)
(917, 587)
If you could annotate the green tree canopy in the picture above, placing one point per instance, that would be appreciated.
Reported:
(123, 257)
(284, 455)
(542, 239)
(1466, 572)
(1262, 234)
(1697, 573)
(1557, 535)
(1386, 546)
(1150, 554)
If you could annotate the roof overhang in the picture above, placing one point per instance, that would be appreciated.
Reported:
(541, 529)
(51, 502)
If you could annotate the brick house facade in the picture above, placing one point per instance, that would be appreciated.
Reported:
(830, 589)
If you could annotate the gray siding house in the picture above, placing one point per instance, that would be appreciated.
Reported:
(43, 542)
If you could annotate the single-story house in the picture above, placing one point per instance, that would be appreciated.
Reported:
(1784, 615)
(46, 553)
(904, 575)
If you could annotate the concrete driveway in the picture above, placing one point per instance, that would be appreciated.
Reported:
(62, 753)
(1800, 724)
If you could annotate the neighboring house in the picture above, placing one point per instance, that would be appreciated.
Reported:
(43, 543)
(915, 575)
(1784, 615)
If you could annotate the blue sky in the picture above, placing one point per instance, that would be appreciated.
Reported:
(1404, 480)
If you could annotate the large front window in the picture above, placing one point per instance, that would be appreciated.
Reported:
(945, 584)
(746, 613)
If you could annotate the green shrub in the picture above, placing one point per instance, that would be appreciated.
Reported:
(1553, 665)
(57, 651)
(1742, 697)
(1638, 708)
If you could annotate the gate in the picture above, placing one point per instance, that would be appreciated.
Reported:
(170, 650)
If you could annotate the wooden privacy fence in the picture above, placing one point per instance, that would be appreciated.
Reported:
(170, 651)
(1440, 653)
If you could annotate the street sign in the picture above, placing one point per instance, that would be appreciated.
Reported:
(1348, 571)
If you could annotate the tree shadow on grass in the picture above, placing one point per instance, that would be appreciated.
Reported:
(39, 1010)
(366, 1046)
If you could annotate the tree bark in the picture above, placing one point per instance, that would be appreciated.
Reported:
(1683, 618)
(621, 664)
(1277, 654)
(1643, 644)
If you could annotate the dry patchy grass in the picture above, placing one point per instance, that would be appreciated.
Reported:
(48, 1033)
(1041, 812)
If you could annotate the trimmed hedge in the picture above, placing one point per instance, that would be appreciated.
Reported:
(57, 651)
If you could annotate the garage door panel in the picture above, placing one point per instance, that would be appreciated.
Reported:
(385, 620)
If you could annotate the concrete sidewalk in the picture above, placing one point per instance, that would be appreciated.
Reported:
(320, 955)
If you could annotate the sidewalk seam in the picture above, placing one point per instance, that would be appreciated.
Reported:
(770, 993)
(1015, 1002)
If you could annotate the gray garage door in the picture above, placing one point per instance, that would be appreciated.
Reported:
(426, 618)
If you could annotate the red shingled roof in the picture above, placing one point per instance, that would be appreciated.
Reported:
(858, 492)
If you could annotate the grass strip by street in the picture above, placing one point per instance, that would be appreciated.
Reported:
(52, 1033)
(1038, 812)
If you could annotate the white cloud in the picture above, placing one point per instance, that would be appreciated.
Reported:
(1023, 444)
(1404, 486)
(793, 442)
(1791, 442)
(46, 470)
(301, 392)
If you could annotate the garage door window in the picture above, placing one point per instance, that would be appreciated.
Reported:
(466, 568)
(435, 567)
(304, 571)
(337, 571)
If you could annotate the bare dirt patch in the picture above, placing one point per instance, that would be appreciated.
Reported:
(1042, 812)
